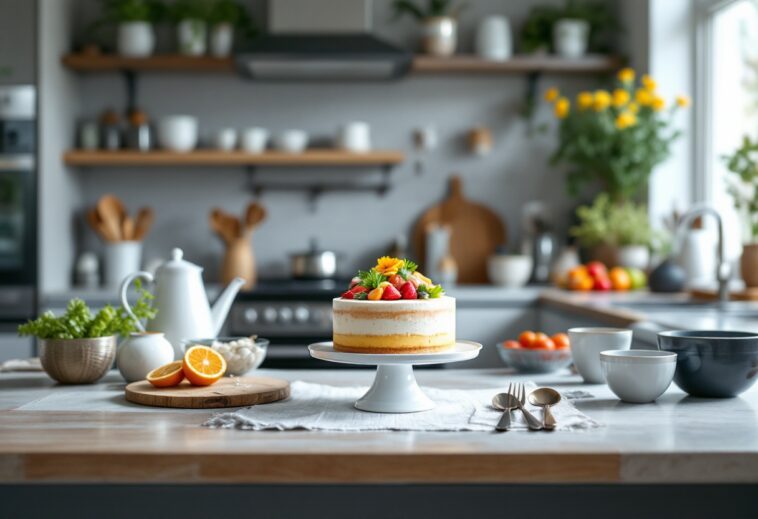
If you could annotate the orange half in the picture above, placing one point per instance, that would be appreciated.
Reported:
(203, 366)
(167, 375)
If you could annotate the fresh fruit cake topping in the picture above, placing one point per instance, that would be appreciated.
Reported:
(392, 279)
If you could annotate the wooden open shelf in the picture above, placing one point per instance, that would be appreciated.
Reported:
(459, 64)
(309, 158)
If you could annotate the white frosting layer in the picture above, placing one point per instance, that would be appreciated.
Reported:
(419, 317)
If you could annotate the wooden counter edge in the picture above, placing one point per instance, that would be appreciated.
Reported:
(310, 468)
(611, 316)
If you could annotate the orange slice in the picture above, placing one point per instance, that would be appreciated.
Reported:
(203, 366)
(167, 375)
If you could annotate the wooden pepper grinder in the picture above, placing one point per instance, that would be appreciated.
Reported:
(236, 234)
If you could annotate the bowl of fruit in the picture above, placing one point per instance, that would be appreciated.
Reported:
(536, 352)
(595, 276)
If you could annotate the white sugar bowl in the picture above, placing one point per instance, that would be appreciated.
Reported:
(141, 353)
(242, 354)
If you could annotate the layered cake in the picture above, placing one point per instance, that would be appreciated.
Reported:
(393, 308)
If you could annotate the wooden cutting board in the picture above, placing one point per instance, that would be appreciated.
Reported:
(749, 294)
(227, 392)
(475, 233)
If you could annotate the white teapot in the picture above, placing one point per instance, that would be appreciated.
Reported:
(183, 308)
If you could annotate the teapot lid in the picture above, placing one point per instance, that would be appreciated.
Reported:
(177, 264)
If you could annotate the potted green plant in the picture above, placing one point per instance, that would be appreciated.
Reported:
(191, 19)
(224, 17)
(134, 20)
(570, 30)
(618, 234)
(613, 139)
(439, 21)
(743, 186)
(79, 347)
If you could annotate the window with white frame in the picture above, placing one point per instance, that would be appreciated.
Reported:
(729, 55)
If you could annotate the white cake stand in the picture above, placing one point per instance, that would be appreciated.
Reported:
(394, 389)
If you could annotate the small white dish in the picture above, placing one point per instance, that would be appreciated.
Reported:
(178, 132)
(509, 270)
(638, 376)
(254, 140)
(586, 345)
(292, 141)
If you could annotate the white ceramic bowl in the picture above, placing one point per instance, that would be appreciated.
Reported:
(535, 361)
(509, 270)
(254, 140)
(292, 141)
(240, 359)
(638, 376)
(178, 132)
(586, 345)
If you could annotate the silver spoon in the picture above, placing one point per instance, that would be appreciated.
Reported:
(506, 402)
(545, 397)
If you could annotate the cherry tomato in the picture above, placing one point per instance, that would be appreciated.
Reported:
(526, 338)
(511, 345)
(561, 341)
(543, 343)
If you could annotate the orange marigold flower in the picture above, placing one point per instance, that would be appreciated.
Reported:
(388, 266)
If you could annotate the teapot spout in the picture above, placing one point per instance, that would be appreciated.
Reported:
(223, 303)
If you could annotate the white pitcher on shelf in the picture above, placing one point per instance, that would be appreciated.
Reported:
(183, 309)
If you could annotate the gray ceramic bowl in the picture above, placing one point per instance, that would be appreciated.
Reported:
(535, 361)
(716, 364)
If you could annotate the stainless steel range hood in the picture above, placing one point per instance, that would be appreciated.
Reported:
(321, 40)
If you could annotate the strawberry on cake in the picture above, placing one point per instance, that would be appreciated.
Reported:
(393, 308)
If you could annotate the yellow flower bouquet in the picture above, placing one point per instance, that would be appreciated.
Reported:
(614, 137)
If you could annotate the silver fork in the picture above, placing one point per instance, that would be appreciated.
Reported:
(532, 421)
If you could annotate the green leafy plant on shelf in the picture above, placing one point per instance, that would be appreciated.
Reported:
(617, 224)
(742, 185)
(433, 9)
(79, 323)
(234, 14)
(537, 31)
(199, 10)
(121, 11)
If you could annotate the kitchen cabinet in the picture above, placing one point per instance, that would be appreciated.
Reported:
(491, 325)
(18, 42)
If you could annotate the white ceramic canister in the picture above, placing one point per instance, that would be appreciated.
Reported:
(221, 40)
(178, 132)
(121, 259)
(141, 353)
(255, 140)
(571, 37)
(135, 39)
(226, 139)
(354, 136)
(493, 38)
(440, 35)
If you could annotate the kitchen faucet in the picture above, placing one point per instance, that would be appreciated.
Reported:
(723, 269)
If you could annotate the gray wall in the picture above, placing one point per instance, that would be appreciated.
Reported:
(358, 225)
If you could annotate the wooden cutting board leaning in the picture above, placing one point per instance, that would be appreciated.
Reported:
(227, 392)
(476, 232)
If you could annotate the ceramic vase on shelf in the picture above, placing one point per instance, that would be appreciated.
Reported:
(222, 40)
(192, 36)
(141, 353)
(749, 265)
(493, 38)
(239, 262)
(135, 39)
(440, 36)
(571, 38)
(633, 256)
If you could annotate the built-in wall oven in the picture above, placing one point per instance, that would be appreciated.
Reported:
(18, 209)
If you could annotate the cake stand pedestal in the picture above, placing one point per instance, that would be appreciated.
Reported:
(395, 389)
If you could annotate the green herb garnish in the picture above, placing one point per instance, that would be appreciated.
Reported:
(407, 270)
(434, 292)
(78, 322)
(371, 279)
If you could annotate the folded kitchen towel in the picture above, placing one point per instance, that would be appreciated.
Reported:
(321, 407)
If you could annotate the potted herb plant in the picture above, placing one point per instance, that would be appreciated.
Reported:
(225, 16)
(570, 30)
(743, 186)
(135, 20)
(79, 347)
(191, 19)
(618, 234)
(612, 139)
(439, 21)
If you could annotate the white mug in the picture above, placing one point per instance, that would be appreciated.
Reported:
(292, 141)
(586, 345)
(226, 139)
(254, 140)
(354, 136)
(571, 37)
(493, 38)
(121, 259)
(177, 132)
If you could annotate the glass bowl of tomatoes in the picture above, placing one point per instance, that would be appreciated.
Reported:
(536, 352)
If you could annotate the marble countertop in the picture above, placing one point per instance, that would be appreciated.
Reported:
(678, 439)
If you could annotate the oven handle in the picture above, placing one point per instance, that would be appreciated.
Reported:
(16, 162)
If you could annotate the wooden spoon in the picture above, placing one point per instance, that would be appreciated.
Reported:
(220, 223)
(112, 213)
(127, 229)
(254, 215)
(94, 221)
(144, 222)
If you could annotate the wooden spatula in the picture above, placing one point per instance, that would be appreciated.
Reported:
(112, 213)
(254, 215)
(144, 222)
(105, 232)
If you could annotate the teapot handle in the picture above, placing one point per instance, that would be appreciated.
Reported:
(125, 287)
